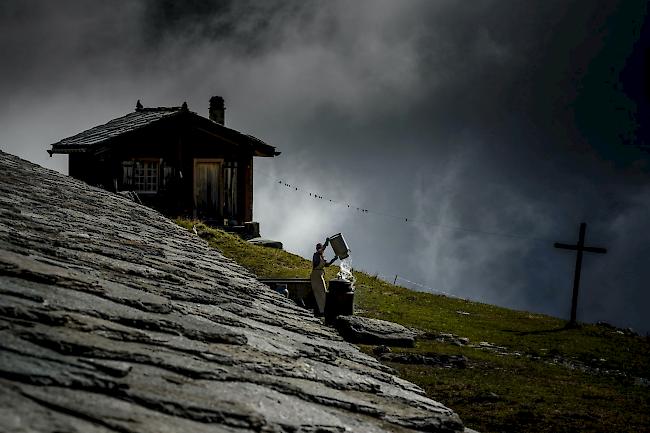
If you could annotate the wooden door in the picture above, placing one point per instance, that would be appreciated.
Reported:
(207, 189)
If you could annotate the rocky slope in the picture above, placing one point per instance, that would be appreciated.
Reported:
(113, 319)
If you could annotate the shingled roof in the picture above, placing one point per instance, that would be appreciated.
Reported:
(142, 117)
(115, 319)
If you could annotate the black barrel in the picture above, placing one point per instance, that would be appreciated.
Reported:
(339, 300)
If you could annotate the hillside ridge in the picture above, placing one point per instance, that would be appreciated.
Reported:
(500, 369)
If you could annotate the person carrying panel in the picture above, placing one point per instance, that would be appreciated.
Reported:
(318, 276)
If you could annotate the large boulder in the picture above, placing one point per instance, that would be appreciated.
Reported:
(363, 330)
(112, 318)
(269, 243)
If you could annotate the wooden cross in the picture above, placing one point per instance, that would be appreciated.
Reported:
(580, 247)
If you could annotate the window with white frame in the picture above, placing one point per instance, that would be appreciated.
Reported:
(141, 175)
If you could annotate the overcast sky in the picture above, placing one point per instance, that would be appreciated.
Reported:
(495, 127)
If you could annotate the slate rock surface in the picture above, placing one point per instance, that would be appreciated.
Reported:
(114, 319)
(364, 330)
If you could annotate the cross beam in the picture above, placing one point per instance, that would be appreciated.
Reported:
(579, 247)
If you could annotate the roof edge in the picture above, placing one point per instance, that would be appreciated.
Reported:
(258, 146)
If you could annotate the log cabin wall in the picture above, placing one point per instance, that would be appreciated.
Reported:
(247, 196)
(174, 155)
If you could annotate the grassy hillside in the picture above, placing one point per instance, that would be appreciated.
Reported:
(525, 372)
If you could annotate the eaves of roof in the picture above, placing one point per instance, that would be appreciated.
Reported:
(86, 141)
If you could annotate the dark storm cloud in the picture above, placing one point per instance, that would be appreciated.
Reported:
(48, 43)
(498, 116)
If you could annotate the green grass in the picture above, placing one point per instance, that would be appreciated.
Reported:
(532, 394)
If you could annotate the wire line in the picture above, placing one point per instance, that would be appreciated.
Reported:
(406, 219)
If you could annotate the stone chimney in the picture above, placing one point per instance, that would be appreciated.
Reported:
(217, 110)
